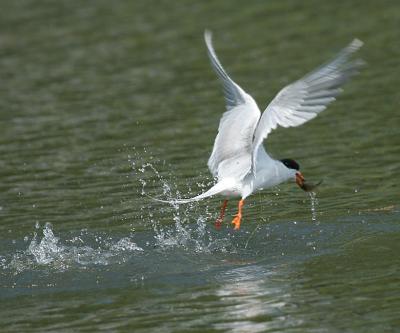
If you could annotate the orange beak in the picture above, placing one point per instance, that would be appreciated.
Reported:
(300, 180)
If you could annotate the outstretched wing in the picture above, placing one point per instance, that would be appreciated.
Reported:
(302, 100)
(232, 151)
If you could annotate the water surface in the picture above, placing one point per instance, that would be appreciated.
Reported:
(103, 105)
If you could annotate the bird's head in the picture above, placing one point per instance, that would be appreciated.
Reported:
(294, 169)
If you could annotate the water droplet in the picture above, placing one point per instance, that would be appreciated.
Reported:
(314, 204)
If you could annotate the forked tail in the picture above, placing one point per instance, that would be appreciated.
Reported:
(216, 189)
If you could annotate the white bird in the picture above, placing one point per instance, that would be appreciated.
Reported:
(238, 160)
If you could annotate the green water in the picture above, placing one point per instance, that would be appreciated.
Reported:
(103, 103)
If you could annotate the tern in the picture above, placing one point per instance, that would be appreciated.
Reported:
(239, 161)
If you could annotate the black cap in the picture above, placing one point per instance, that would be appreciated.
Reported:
(291, 164)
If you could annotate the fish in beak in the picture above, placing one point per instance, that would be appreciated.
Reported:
(308, 187)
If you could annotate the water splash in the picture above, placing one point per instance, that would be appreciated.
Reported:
(314, 205)
(187, 231)
(47, 250)
(50, 252)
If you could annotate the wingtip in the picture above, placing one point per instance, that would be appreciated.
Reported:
(356, 44)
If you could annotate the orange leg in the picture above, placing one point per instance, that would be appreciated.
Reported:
(238, 216)
(219, 220)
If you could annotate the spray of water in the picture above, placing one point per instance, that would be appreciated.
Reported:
(191, 231)
(314, 205)
(80, 251)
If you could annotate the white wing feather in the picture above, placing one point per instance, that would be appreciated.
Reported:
(302, 100)
(232, 151)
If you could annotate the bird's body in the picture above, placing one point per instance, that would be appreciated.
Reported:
(270, 173)
(238, 160)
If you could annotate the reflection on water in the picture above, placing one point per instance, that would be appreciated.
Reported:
(252, 299)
